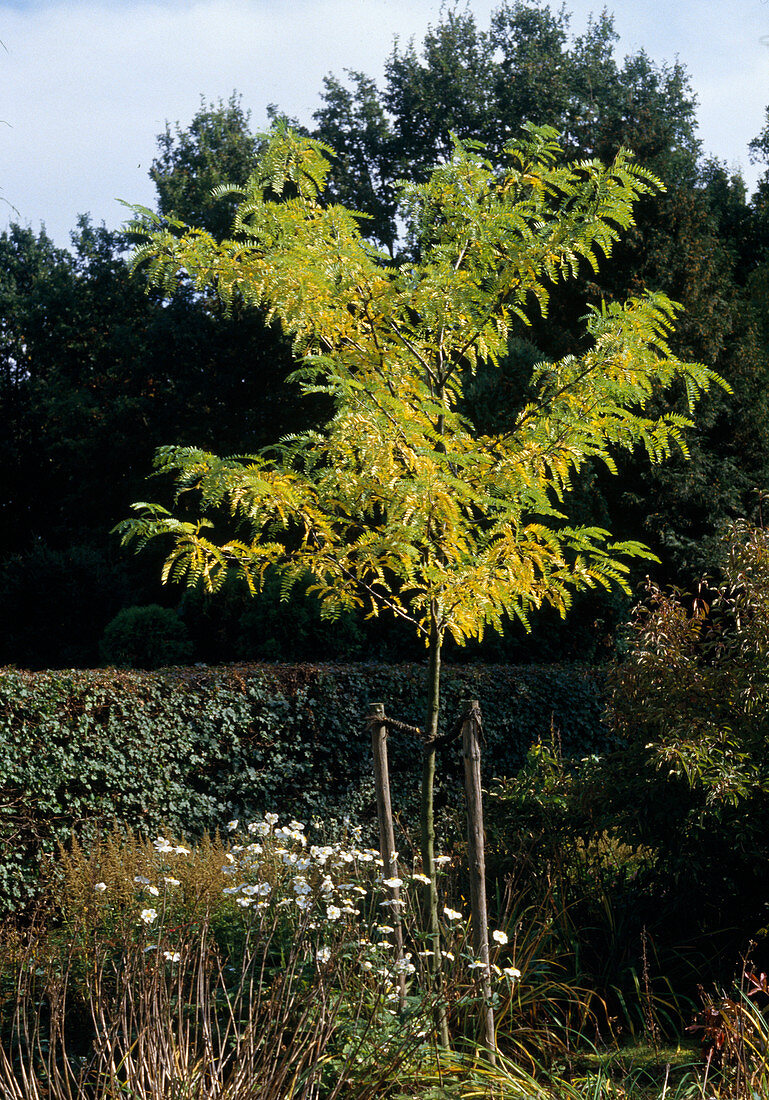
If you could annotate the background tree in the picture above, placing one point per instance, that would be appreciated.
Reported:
(401, 503)
(93, 373)
(217, 147)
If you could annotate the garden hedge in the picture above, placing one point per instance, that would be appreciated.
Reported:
(189, 748)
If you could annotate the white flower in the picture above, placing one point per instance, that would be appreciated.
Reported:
(172, 956)
(301, 886)
(154, 891)
(303, 903)
(141, 880)
(512, 972)
(171, 881)
(260, 827)
(181, 850)
(229, 857)
(477, 964)
(271, 819)
(162, 845)
(228, 869)
(451, 914)
(323, 954)
(418, 877)
(100, 887)
(333, 912)
(243, 902)
(441, 860)
(385, 929)
(150, 947)
(448, 955)
(393, 883)
(149, 916)
(499, 937)
(297, 826)
(263, 888)
(232, 825)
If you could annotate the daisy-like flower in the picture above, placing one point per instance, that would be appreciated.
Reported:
(499, 937)
(323, 954)
(141, 880)
(172, 956)
(419, 877)
(171, 881)
(154, 891)
(333, 912)
(243, 902)
(181, 850)
(162, 845)
(442, 860)
(232, 825)
(149, 916)
(100, 887)
(271, 819)
(477, 964)
(512, 972)
(393, 883)
(451, 914)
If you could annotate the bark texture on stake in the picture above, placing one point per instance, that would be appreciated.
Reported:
(471, 751)
(387, 832)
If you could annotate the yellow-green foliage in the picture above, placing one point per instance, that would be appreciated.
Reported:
(401, 502)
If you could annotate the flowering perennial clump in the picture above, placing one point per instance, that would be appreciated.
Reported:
(332, 898)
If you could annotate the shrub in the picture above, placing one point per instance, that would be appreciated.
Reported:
(146, 637)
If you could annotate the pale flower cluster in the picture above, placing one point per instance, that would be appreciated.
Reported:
(331, 894)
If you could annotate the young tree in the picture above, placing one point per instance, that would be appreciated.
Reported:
(402, 503)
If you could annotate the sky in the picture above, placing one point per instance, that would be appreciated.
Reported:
(87, 85)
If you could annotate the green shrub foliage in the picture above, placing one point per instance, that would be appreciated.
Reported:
(146, 637)
(187, 748)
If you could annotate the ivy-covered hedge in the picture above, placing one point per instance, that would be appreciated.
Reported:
(189, 748)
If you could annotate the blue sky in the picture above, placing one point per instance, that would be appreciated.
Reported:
(86, 86)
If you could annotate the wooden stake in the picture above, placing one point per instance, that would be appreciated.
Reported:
(471, 750)
(387, 834)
